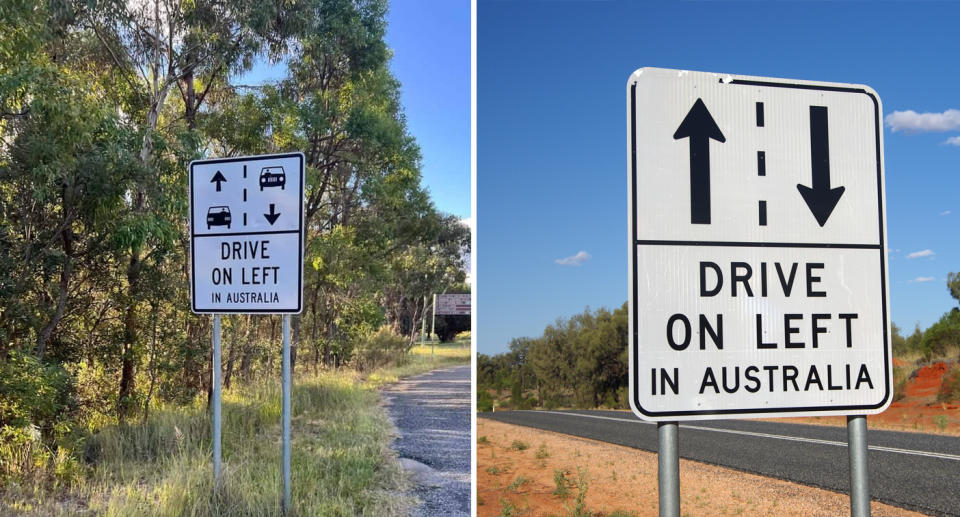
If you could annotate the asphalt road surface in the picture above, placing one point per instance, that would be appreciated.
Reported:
(915, 471)
(432, 414)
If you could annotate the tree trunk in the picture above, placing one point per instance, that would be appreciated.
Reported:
(65, 274)
(128, 352)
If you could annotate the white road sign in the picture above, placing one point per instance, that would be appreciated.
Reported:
(453, 304)
(757, 247)
(246, 234)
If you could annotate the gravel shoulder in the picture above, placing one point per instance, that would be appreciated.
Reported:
(432, 415)
(517, 474)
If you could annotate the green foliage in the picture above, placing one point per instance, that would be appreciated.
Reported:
(32, 394)
(484, 401)
(102, 106)
(518, 445)
(953, 285)
(950, 387)
(382, 348)
(561, 483)
(580, 362)
(942, 335)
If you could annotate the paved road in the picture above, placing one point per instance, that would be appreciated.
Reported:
(916, 471)
(432, 414)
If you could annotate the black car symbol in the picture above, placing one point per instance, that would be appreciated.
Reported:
(272, 177)
(218, 216)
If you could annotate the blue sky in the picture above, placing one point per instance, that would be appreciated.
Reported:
(431, 44)
(551, 136)
(430, 40)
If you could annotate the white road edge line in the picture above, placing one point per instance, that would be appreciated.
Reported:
(879, 448)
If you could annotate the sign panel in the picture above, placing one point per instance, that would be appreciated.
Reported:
(246, 234)
(757, 247)
(453, 304)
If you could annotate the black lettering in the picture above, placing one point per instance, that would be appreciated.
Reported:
(736, 380)
(818, 329)
(787, 285)
(709, 380)
(703, 279)
(770, 370)
(813, 377)
(717, 335)
(790, 374)
(763, 278)
(760, 343)
(847, 318)
(788, 329)
(751, 378)
(814, 279)
(830, 385)
(686, 332)
(744, 278)
(863, 376)
(673, 382)
(263, 249)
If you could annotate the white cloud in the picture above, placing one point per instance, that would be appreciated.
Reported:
(953, 140)
(912, 122)
(920, 279)
(575, 260)
(921, 253)
(945, 212)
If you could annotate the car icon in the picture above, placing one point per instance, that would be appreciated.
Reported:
(218, 216)
(272, 177)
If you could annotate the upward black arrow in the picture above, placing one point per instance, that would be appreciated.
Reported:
(821, 199)
(218, 178)
(700, 127)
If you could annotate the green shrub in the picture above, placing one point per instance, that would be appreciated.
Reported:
(381, 349)
(950, 388)
(484, 401)
(942, 335)
(518, 445)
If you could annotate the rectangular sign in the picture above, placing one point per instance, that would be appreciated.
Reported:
(453, 304)
(246, 234)
(757, 247)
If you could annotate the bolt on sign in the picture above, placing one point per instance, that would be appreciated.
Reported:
(246, 234)
(453, 304)
(757, 247)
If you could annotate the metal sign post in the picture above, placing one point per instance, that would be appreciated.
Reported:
(286, 413)
(216, 400)
(668, 468)
(758, 271)
(859, 475)
(433, 324)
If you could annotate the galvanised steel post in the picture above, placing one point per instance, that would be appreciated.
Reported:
(859, 476)
(668, 463)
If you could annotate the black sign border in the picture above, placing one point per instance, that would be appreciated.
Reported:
(634, 243)
(193, 235)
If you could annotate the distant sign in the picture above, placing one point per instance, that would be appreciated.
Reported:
(757, 247)
(246, 234)
(453, 304)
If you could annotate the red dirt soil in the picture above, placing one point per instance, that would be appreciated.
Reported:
(918, 410)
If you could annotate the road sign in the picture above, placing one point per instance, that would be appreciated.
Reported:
(453, 304)
(757, 247)
(246, 234)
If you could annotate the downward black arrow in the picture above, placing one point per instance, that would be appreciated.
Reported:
(700, 127)
(272, 216)
(218, 178)
(821, 198)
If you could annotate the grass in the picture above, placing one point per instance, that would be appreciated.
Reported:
(421, 360)
(518, 445)
(341, 463)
